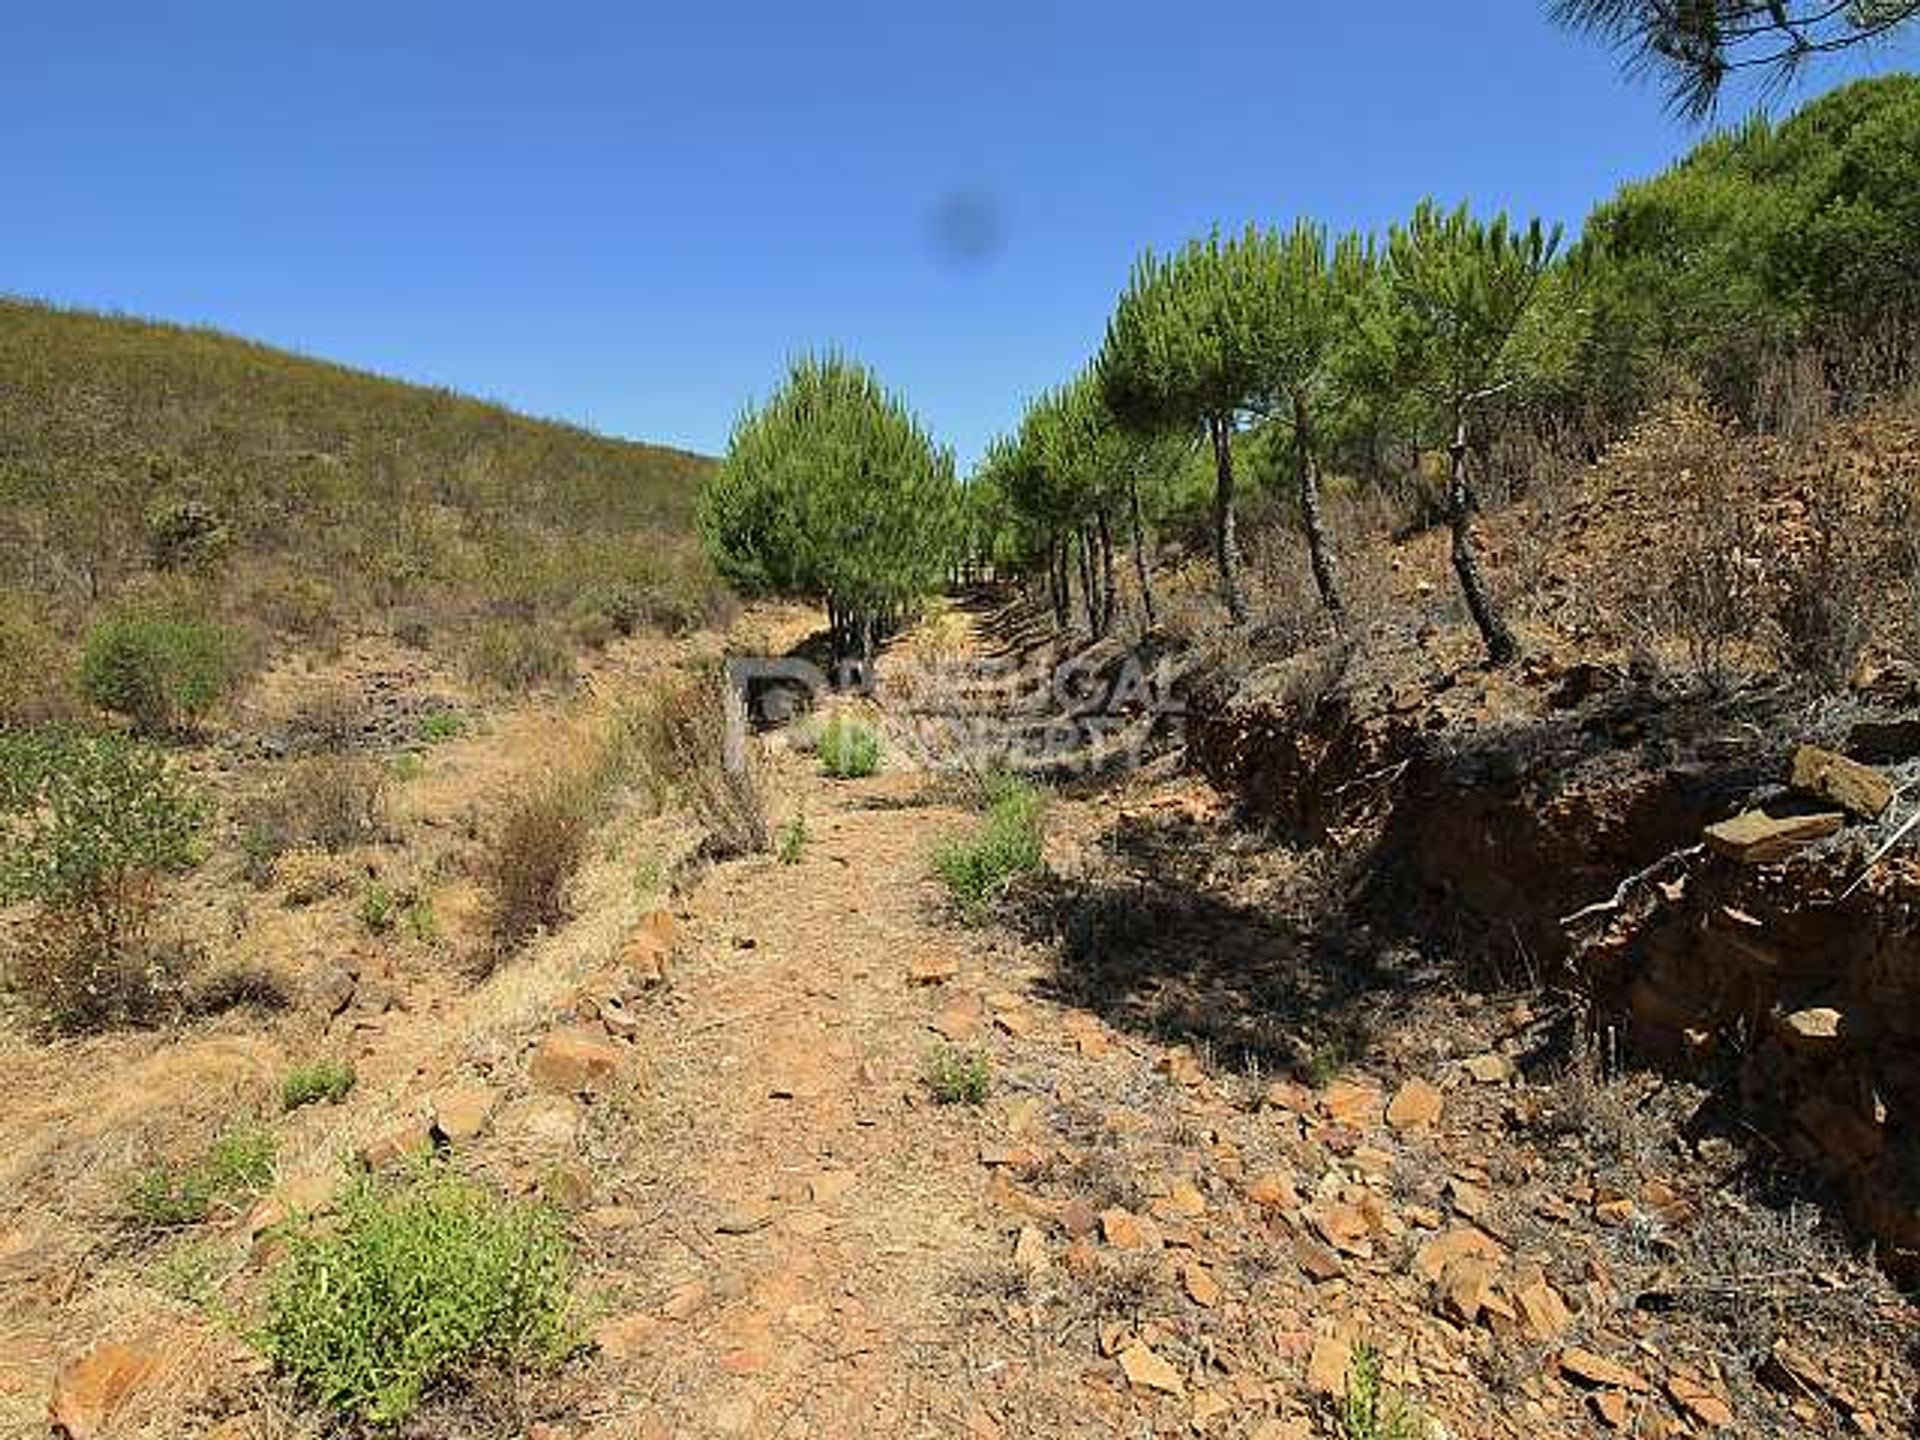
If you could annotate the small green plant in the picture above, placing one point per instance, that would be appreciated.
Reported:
(442, 726)
(415, 1285)
(406, 767)
(958, 1077)
(231, 1175)
(419, 921)
(162, 674)
(377, 907)
(1370, 1410)
(793, 839)
(979, 869)
(317, 1080)
(86, 825)
(848, 750)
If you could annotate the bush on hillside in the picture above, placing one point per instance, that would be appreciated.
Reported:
(35, 688)
(163, 674)
(87, 825)
(324, 802)
(413, 1286)
(532, 855)
(516, 657)
(848, 750)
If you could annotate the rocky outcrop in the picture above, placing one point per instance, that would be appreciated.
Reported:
(1690, 860)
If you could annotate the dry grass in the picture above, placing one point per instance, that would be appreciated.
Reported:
(533, 853)
(684, 738)
(326, 802)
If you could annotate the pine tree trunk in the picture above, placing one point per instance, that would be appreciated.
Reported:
(1056, 575)
(1089, 583)
(1140, 568)
(1502, 649)
(1108, 590)
(1226, 542)
(1319, 550)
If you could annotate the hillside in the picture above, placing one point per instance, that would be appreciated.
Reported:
(151, 465)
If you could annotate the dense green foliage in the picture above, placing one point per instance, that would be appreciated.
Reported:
(1472, 337)
(833, 491)
(161, 673)
(1765, 237)
(78, 813)
(414, 1285)
(317, 1080)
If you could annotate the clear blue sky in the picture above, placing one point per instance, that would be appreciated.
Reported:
(630, 214)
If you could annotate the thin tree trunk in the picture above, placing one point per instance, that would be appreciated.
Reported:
(1056, 576)
(1140, 568)
(1089, 583)
(1108, 590)
(1226, 542)
(1502, 648)
(1318, 547)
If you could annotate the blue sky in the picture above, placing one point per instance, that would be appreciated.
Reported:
(629, 214)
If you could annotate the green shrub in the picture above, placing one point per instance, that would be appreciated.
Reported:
(441, 726)
(163, 674)
(377, 907)
(518, 657)
(414, 1285)
(1370, 1411)
(848, 750)
(318, 1080)
(86, 824)
(977, 871)
(231, 1176)
(958, 1077)
(793, 839)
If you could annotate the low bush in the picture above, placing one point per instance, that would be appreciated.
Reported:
(328, 1080)
(1371, 1411)
(518, 657)
(234, 1173)
(848, 750)
(533, 853)
(793, 839)
(958, 1077)
(331, 719)
(161, 673)
(325, 802)
(978, 870)
(87, 824)
(694, 746)
(415, 1285)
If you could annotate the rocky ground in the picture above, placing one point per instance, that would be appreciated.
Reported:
(1235, 1161)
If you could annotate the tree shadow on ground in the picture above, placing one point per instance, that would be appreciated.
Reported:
(1154, 949)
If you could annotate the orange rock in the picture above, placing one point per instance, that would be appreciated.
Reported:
(571, 1059)
(1352, 1104)
(1201, 1287)
(1611, 1406)
(462, 1112)
(1699, 1400)
(1545, 1313)
(1466, 1286)
(933, 969)
(1432, 1258)
(1124, 1230)
(1147, 1371)
(1327, 1366)
(87, 1391)
(1592, 1369)
(1416, 1105)
(625, 1336)
(1273, 1191)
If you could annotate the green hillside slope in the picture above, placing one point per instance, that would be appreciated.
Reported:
(150, 465)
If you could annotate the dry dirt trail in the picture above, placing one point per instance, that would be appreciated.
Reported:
(780, 1233)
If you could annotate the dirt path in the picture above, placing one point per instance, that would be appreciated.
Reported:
(1142, 1231)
